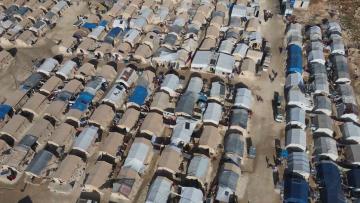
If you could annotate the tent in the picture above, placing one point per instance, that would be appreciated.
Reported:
(353, 179)
(139, 95)
(89, 26)
(234, 147)
(159, 190)
(295, 190)
(329, 178)
(298, 162)
(4, 110)
(113, 33)
(39, 162)
(82, 102)
(325, 146)
(85, 139)
(295, 138)
(294, 62)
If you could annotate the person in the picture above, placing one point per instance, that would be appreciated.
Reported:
(267, 161)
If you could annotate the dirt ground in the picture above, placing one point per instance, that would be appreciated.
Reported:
(264, 130)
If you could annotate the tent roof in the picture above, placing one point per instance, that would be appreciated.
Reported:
(139, 95)
(298, 162)
(39, 162)
(243, 98)
(352, 153)
(159, 190)
(296, 190)
(199, 167)
(294, 62)
(353, 178)
(330, 180)
(235, 143)
(138, 154)
(86, 138)
(191, 194)
(213, 112)
(186, 103)
(325, 145)
(183, 130)
(295, 136)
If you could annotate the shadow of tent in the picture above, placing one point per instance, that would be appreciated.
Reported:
(26, 199)
(13, 51)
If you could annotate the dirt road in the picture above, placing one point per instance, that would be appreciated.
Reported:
(263, 127)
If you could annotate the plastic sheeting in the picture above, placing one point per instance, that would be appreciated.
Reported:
(82, 101)
(330, 183)
(295, 190)
(4, 110)
(294, 61)
(139, 95)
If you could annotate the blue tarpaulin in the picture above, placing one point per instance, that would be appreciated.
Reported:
(292, 2)
(353, 178)
(89, 26)
(4, 110)
(112, 34)
(296, 189)
(103, 23)
(139, 95)
(330, 182)
(83, 101)
(294, 61)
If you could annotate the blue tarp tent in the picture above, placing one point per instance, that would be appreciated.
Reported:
(294, 60)
(113, 33)
(330, 182)
(139, 95)
(353, 178)
(296, 189)
(89, 26)
(83, 101)
(4, 110)
(103, 23)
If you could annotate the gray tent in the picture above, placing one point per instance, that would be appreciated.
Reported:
(217, 91)
(325, 146)
(350, 131)
(321, 84)
(298, 162)
(159, 190)
(137, 156)
(243, 98)
(228, 180)
(352, 154)
(199, 168)
(322, 104)
(337, 45)
(294, 80)
(340, 68)
(186, 103)
(348, 112)
(317, 69)
(86, 138)
(346, 93)
(239, 118)
(234, 147)
(295, 116)
(195, 85)
(295, 138)
(39, 162)
(190, 194)
(322, 124)
(183, 130)
(315, 33)
(297, 98)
